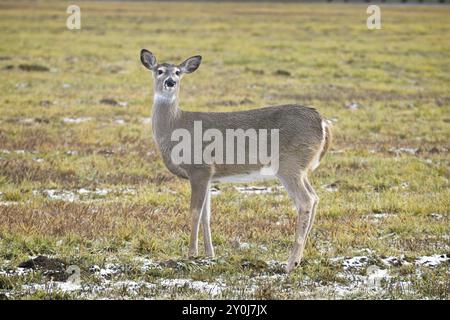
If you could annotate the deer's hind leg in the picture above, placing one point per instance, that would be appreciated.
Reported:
(316, 202)
(304, 202)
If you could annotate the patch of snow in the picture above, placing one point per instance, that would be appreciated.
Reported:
(336, 151)
(83, 191)
(395, 261)
(53, 286)
(8, 203)
(15, 272)
(26, 120)
(433, 261)
(371, 283)
(254, 190)
(272, 277)
(366, 251)
(352, 263)
(69, 195)
(94, 269)
(147, 264)
(147, 120)
(22, 85)
(353, 106)
(131, 286)
(246, 246)
(60, 195)
(398, 151)
(332, 187)
(76, 120)
(436, 216)
(340, 290)
(212, 289)
(110, 269)
(128, 190)
(375, 275)
(405, 185)
(101, 192)
(380, 216)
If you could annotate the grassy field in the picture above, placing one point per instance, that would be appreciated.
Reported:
(82, 183)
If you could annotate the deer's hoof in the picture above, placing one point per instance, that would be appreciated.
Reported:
(291, 266)
(192, 254)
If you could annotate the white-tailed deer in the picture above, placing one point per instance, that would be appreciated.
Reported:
(303, 138)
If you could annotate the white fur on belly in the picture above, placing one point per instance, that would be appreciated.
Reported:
(250, 177)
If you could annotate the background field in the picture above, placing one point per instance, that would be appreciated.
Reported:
(81, 182)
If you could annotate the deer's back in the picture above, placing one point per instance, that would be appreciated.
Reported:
(297, 125)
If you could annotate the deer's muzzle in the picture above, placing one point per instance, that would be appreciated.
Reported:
(170, 83)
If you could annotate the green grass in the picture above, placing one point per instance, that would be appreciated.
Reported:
(399, 76)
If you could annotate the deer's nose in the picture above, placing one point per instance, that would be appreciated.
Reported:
(170, 83)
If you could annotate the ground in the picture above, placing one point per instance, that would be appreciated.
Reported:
(82, 186)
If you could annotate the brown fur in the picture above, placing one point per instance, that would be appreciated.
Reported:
(302, 144)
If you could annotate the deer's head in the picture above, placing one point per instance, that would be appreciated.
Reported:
(168, 76)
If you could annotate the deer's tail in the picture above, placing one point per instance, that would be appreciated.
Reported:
(328, 137)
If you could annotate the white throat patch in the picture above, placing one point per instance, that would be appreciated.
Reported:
(159, 98)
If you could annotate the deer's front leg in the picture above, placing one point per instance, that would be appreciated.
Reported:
(199, 188)
(206, 221)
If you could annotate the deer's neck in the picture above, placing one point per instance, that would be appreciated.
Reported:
(164, 115)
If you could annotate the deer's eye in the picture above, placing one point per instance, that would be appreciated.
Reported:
(177, 73)
(160, 72)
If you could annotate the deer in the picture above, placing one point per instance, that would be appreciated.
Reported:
(304, 136)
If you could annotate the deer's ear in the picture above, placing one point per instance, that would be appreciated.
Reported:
(191, 64)
(148, 59)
